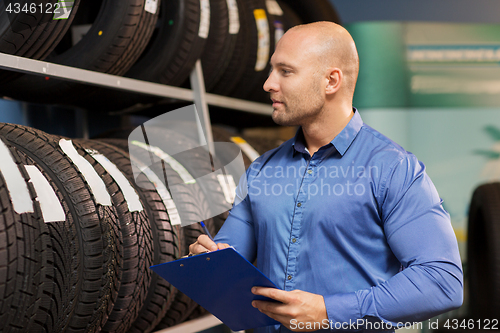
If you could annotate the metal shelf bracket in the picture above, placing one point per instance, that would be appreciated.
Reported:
(42, 68)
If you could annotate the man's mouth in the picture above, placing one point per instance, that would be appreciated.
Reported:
(276, 102)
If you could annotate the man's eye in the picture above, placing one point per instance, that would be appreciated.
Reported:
(284, 71)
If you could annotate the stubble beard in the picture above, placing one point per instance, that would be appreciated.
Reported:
(297, 114)
(286, 117)
(298, 110)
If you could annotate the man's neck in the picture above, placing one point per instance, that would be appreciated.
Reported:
(325, 129)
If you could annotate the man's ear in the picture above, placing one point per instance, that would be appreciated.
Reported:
(334, 80)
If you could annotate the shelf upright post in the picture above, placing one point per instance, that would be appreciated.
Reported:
(200, 101)
(82, 123)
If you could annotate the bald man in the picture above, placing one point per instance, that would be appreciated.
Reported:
(341, 218)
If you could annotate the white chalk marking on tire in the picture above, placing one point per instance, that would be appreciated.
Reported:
(251, 153)
(16, 185)
(151, 6)
(130, 195)
(234, 17)
(274, 8)
(162, 190)
(169, 203)
(95, 182)
(50, 205)
(204, 19)
(179, 168)
(228, 186)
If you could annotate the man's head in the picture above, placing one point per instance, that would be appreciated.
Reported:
(314, 67)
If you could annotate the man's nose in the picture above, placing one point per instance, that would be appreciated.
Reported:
(271, 84)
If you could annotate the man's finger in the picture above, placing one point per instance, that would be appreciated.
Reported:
(269, 307)
(206, 242)
(276, 294)
(196, 248)
(221, 246)
(277, 311)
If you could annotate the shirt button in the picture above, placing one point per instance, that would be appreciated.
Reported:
(289, 277)
(294, 240)
(299, 204)
(309, 171)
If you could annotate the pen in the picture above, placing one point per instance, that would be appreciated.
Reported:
(206, 231)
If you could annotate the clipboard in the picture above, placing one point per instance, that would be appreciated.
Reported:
(221, 282)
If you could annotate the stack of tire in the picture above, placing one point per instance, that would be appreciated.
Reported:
(233, 38)
(105, 36)
(78, 232)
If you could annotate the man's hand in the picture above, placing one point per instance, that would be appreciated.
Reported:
(300, 305)
(204, 244)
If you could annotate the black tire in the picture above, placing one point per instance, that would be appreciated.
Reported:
(116, 39)
(171, 55)
(483, 252)
(196, 160)
(31, 35)
(168, 59)
(280, 24)
(210, 187)
(214, 189)
(240, 55)
(182, 306)
(257, 65)
(220, 43)
(251, 84)
(290, 16)
(137, 244)
(222, 135)
(194, 201)
(198, 312)
(165, 238)
(314, 10)
(118, 137)
(171, 133)
(190, 200)
(26, 250)
(198, 166)
(87, 246)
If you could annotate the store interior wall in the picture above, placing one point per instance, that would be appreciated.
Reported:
(434, 89)
(465, 11)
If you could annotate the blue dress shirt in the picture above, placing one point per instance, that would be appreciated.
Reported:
(343, 223)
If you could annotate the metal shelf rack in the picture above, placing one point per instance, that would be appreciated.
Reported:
(197, 95)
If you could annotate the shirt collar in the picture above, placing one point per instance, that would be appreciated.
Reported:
(341, 142)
